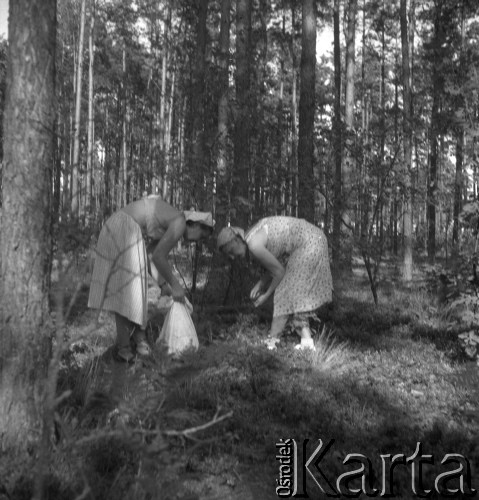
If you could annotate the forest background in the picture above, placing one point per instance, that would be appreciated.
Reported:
(240, 108)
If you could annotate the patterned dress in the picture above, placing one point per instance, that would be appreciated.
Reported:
(303, 249)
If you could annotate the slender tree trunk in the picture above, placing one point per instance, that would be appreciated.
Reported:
(260, 155)
(407, 143)
(240, 185)
(350, 64)
(432, 185)
(306, 182)
(458, 186)
(458, 183)
(169, 128)
(280, 134)
(382, 139)
(348, 161)
(293, 165)
(76, 189)
(124, 138)
(91, 136)
(222, 174)
(57, 176)
(336, 243)
(29, 125)
(155, 125)
(395, 202)
(164, 129)
(196, 147)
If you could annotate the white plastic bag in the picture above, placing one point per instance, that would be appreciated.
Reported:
(166, 301)
(178, 330)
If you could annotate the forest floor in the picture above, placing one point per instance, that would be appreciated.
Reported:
(384, 378)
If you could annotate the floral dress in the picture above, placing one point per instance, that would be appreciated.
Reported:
(303, 249)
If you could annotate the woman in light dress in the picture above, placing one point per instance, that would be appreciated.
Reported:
(294, 254)
(133, 242)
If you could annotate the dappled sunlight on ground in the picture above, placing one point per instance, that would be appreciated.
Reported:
(383, 379)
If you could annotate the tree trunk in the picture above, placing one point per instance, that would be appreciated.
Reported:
(91, 136)
(75, 182)
(306, 183)
(458, 186)
(242, 126)
(336, 243)
(222, 174)
(437, 82)
(164, 129)
(29, 124)
(196, 149)
(382, 127)
(407, 143)
(458, 181)
(293, 164)
(349, 197)
(123, 180)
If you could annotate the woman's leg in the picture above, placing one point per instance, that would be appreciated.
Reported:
(301, 325)
(277, 327)
(124, 329)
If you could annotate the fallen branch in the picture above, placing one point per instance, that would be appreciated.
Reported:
(192, 430)
(184, 433)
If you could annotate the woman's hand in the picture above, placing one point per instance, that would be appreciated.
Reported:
(261, 300)
(166, 289)
(256, 291)
(178, 293)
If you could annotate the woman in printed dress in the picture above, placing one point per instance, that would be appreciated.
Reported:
(123, 260)
(300, 286)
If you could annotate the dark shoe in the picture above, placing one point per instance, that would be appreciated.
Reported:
(124, 354)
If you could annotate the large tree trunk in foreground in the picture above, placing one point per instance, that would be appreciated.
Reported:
(26, 245)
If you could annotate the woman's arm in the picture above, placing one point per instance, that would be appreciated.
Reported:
(161, 282)
(257, 248)
(174, 232)
(263, 282)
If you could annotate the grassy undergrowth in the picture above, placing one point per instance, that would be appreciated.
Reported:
(205, 427)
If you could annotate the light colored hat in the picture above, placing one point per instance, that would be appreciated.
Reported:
(205, 218)
(228, 234)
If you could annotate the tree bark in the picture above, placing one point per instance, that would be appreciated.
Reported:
(293, 164)
(407, 143)
(306, 181)
(29, 124)
(75, 181)
(240, 185)
(222, 172)
(164, 99)
(125, 110)
(337, 135)
(437, 83)
(458, 180)
(91, 128)
(349, 197)
(195, 125)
